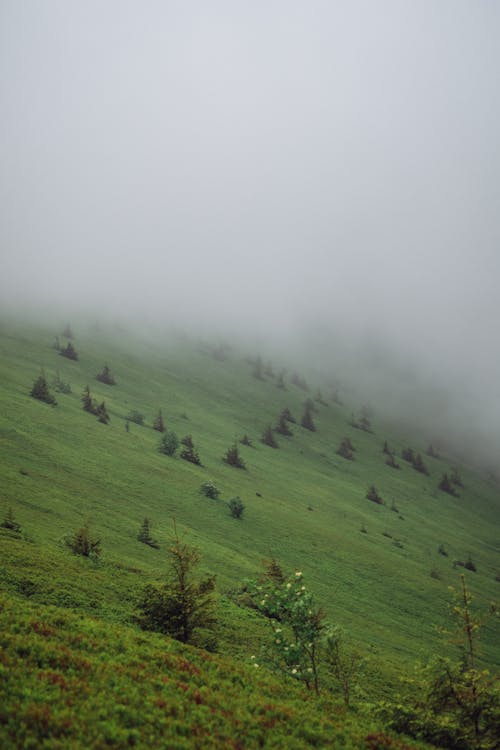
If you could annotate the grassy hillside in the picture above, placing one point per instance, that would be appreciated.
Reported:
(369, 565)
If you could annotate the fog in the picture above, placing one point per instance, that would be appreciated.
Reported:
(321, 174)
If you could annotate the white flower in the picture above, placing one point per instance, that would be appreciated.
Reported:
(309, 669)
(303, 588)
(278, 630)
(255, 664)
(298, 573)
(294, 671)
(289, 585)
(278, 640)
(263, 601)
(252, 657)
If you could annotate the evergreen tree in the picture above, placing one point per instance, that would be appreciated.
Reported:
(233, 458)
(184, 607)
(446, 486)
(282, 426)
(67, 333)
(158, 423)
(189, 452)
(280, 381)
(307, 420)
(102, 413)
(169, 443)
(40, 390)
(419, 465)
(288, 415)
(144, 534)
(373, 495)
(258, 369)
(346, 449)
(236, 507)
(105, 376)
(82, 543)
(69, 352)
(10, 523)
(87, 401)
(245, 440)
(268, 437)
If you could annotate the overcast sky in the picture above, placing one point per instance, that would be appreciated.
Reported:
(273, 163)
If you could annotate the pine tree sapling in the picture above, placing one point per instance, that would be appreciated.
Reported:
(233, 458)
(189, 452)
(158, 423)
(184, 607)
(105, 376)
(102, 413)
(307, 420)
(40, 390)
(69, 352)
(87, 401)
(144, 534)
(10, 523)
(82, 543)
(373, 495)
(282, 426)
(268, 438)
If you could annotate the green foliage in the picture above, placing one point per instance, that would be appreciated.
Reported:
(135, 416)
(268, 438)
(345, 664)
(210, 489)
(145, 536)
(346, 449)
(105, 376)
(445, 485)
(297, 626)
(456, 704)
(158, 423)
(9, 522)
(189, 452)
(41, 392)
(102, 413)
(233, 457)
(69, 352)
(245, 440)
(236, 507)
(185, 604)
(82, 543)
(168, 443)
(59, 385)
(307, 419)
(282, 426)
(373, 495)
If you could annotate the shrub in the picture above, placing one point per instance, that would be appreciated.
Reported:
(343, 663)
(69, 352)
(59, 385)
(282, 426)
(82, 543)
(373, 495)
(245, 440)
(299, 382)
(87, 401)
(135, 416)
(67, 333)
(268, 437)
(407, 455)
(236, 507)
(391, 461)
(446, 486)
(40, 390)
(168, 443)
(144, 535)
(346, 449)
(233, 458)
(158, 423)
(102, 413)
(307, 421)
(189, 452)
(455, 478)
(442, 550)
(10, 523)
(184, 607)
(210, 489)
(419, 465)
(286, 413)
(280, 381)
(469, 565)
(105, 376)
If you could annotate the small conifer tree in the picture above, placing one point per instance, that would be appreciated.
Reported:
(102, 413)
(307, 420)
(169, 443)
(40, 390)
(82, 543)
(9, 522)
(268, 437)
(105, 376)
(159, 424)
(282, 426)
(87, 401)
(144, 535)
(233, 458)
(189, 452)
(69, 352)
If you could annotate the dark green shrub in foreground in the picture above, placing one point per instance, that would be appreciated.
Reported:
(41, 392)
(236, 507)
(169, 443)
(185, 604)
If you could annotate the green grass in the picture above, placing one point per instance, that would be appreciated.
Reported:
(304, 504)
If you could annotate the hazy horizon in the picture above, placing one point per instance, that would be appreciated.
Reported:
(324, 175)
